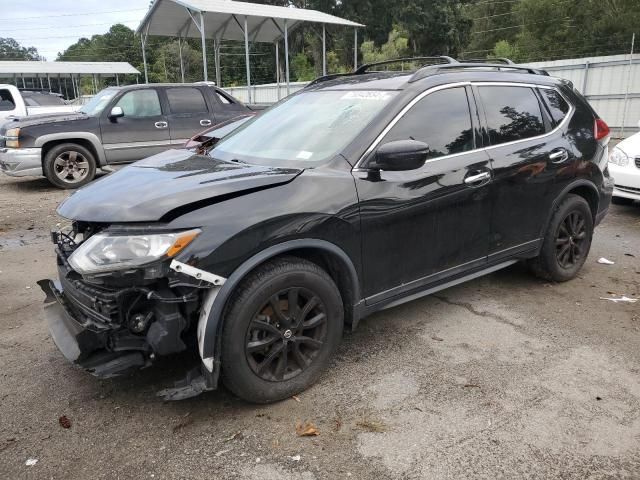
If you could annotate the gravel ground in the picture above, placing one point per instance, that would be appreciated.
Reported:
(503, 377)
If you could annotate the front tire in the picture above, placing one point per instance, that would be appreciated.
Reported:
(281, 328)
(567, 242)
(69, 165)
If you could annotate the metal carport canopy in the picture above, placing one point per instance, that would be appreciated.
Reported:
(231, 20)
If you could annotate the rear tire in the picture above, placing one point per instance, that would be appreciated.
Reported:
(621, 201)
(69, 165)
(271, 350)
(566, 244)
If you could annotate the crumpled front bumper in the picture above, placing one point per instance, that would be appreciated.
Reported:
(21, 162)
(80, 345)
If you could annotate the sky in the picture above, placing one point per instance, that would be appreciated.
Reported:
(52, 25)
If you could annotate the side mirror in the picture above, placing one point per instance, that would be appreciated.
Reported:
(400, 155)
(116, 112)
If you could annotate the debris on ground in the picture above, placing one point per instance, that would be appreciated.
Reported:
(371, 425)
(605, 261)
(306, 429)
(630, 255)
(235, 436)
(184, 422)
(295, 458)
(295, 397)
(437, 339)
(623, 299)
(31, 462)
(64, 421)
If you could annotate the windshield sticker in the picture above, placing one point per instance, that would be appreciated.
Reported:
(366, 95)
(304, 155)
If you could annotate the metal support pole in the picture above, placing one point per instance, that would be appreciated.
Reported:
(324, 50)
(117, 80)
(41, 84)
(23, 84)
(143, 41)
(584, 80)
(626, 93)
(246, 58)
(278, 70)
(355, 48)
(59, 85)
(181, 60)
(216, 59)
(204, 48)
(286, 54)
(49, 81)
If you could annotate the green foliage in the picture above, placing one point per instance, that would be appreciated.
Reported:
(10, 49)
(503, 49)
(396, 46)
(301, 68)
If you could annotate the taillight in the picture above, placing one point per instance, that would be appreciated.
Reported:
(601, 130)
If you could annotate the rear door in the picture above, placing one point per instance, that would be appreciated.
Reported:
(423, 225)
(143, 131)
(529, 152)
(188, 113)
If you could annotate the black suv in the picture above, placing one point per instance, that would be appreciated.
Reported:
(356, 194)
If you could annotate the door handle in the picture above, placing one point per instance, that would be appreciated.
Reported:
(162, 124)
(558, 156)
(478, 179)
(205, 123)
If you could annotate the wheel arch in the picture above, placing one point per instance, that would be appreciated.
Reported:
(87, 140)
(325, 254)
(582, 188)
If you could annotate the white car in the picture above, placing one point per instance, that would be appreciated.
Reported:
(16, 102)
(624, 167)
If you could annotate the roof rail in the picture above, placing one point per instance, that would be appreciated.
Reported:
(488, 60)
(442, 58)
(434, 69)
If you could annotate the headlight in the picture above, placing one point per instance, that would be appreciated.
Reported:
(618, 157)
(103, 252)
(12, 138)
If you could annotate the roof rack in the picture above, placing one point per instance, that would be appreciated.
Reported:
(435, 69)
(488, 60)
(367, 66)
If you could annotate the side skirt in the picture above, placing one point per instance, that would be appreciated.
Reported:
(394, 301)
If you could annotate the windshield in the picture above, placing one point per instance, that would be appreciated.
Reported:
(95, 106)
(309, 128)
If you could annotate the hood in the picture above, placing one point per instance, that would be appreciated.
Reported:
(150, 189)
(631, 145)
(44, 118)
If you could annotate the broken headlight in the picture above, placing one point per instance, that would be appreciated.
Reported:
(104, 252)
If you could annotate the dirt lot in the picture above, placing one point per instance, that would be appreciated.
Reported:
(504, 377)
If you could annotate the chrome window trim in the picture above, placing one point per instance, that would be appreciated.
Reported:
(410, 105)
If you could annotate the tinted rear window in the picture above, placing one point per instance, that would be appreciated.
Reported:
(557, 106)
(186, 100)
(6, 101)
(513, 113)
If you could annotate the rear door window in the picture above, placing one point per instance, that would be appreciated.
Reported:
(7, 103)
(556, 104)
(513, 113)
(442, 120)
(186, 100)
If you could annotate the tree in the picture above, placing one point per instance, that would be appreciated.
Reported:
(10, 49)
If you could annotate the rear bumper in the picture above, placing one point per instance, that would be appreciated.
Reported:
(21, 162)
(80, 345)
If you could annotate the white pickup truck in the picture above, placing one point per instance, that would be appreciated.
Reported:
(16, 102)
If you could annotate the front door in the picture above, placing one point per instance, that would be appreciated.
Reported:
(142, 132)
(423, 225)
(188, 113)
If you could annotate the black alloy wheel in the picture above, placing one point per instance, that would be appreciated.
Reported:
(286, 334)
(571, 239)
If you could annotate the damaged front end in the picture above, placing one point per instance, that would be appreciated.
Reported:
(110, 315)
